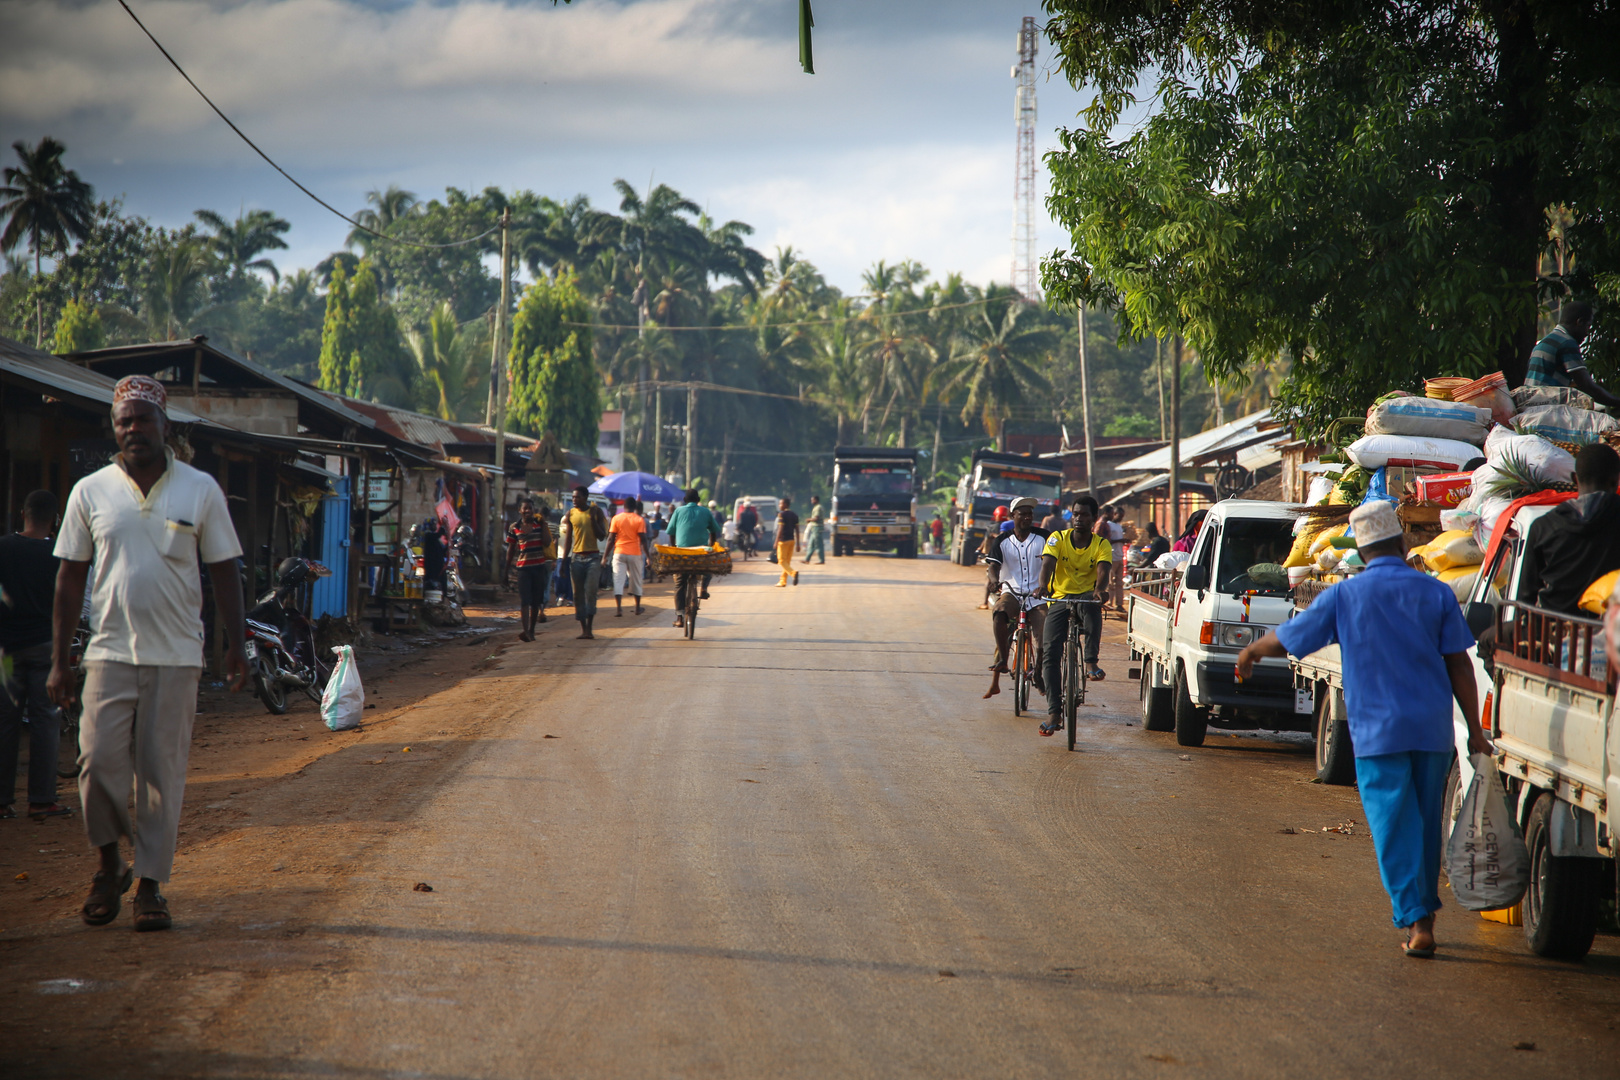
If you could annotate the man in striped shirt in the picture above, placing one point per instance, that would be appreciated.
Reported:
(1557, 361)
(529, 547)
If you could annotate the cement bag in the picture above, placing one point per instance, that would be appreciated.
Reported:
(1427, 418)
(1300, 553)
(345, 699)
(1376, 451)
(1528, 397)
(1486, 860)
(1565, 423)
(1545, 460)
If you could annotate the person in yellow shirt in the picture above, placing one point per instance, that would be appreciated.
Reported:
(1075, 564)
(584, 529)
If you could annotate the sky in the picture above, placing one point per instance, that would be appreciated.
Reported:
(900, 146)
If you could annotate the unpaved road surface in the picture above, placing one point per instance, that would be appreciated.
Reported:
(799, 846)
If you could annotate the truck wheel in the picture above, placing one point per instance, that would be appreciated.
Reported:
(908, 550)
(1335, 756)
(1191, 722)
(1158, 712)
(1561, 904)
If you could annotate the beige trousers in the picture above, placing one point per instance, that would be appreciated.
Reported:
(136, 732)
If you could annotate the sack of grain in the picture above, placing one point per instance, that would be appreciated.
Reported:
(1428, 418)
(1565, 423)
(1376, 451)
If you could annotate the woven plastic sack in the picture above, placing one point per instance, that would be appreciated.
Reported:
(1552, 463)
(1452, 549)
(344, 701)
(1486, 860)
(1528, 397)
(1376, 451)
(1427, 418)
(1565, 423)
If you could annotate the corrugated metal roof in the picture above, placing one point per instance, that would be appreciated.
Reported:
(1240, 433)
(420, 428)
(57, 375)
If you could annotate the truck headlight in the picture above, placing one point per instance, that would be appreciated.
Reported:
(1239, 635)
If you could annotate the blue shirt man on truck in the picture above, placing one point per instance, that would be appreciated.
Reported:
(1404, 646)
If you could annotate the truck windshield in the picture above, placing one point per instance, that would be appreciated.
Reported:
(1018, 484)
(855, 480)
(1249, 542)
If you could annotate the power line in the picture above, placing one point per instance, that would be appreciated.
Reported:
(268, 160)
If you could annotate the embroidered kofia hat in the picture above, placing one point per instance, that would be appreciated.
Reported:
(1374, 521)
(141, 388)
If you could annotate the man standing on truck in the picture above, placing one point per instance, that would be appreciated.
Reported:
(1404, 647)
(1014, 567)
(1556, 359)
(1578, 541)
(1074, 565)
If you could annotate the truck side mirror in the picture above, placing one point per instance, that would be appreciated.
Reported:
(1196, 578)
(1480, 618)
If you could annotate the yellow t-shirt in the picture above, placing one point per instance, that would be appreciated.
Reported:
(585, 542)
(1076, 572)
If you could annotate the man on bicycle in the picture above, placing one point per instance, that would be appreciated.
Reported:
(1013, 565)
(691, 526)
(1074, 565)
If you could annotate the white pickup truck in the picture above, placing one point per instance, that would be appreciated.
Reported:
(1187, 628)
(1547, 701)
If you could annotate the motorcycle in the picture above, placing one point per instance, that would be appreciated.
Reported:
(280, 640)
(462, 549)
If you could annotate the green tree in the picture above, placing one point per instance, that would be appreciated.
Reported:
(448, 357)
(1360, 186)
(238, 247)
(362, 354)
(79, 329)
(176, 286)
(555, 387)
(46, 204)
(996, 361)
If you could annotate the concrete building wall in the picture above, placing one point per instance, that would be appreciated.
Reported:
(265, 412)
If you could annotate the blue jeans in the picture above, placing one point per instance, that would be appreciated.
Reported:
(586, 571)
(1404, 796)
(27, 699)
(1055, 634)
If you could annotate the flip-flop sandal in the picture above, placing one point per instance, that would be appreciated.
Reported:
(151, 912)
(1420, 954)
(108, 893)
(1096, 674)
(1051, 727)
(54, 810)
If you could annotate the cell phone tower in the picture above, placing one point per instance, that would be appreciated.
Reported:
(1025, 264)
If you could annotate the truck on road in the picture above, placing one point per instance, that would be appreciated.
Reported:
(1187, 627)
(996, 479)
(1546, 691)
(874, 500)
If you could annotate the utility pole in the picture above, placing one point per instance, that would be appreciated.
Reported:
(1175, 436)
(498, 384)
(1024, 260)
(658, 432)
(691, 433)
(1158, 373)
(1085, 405)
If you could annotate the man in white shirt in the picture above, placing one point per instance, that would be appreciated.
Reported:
(146, 520)
(1110, 529)
(1013, 560)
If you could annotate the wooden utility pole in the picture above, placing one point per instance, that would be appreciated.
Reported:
(658, 432)
(498, 381)
(1085, 406)
(691, 434)
(1175, 437)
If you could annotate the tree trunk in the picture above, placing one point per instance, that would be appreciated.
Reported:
(725, 467)
(1158, 371)
(39, 302)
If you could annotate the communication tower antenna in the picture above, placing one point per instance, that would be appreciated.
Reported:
(1024, 262)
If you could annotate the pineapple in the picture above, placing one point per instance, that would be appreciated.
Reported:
(1515, 478)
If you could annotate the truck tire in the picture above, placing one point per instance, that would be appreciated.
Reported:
(1191, 722)
(1335, 755)
(1561, 903)
(1158, 711)
(908, 549)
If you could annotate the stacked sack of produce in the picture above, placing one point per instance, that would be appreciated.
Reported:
(1454, 557)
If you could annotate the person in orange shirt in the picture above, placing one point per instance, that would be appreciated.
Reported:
(629, 544)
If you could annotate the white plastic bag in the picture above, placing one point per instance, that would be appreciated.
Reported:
(1171, 560)
(1486, 859)
(1546, 460)
(344, 699)
(1376, 451)
(1428, 418)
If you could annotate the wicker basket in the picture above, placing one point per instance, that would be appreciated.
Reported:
(1443, 387)
(673, 560)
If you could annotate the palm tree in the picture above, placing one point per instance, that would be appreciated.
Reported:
(176, 288)
(45, 203)
(729, 256)
(448, 358)
(653, 232)
(238, 243)
(387, 206)
(995, 360)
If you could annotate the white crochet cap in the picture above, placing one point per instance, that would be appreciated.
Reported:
(1374, 521)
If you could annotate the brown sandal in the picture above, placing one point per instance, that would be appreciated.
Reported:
(107, 893)
(151, 912)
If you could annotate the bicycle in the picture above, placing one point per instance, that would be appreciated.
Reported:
(1025, 654)
(67, 753)
(1074, 673)
(692, 582)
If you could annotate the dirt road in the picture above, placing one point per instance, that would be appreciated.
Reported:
(798, 846)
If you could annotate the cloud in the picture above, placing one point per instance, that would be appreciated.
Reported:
(904, 136)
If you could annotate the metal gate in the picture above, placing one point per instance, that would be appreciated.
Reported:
(330, 595)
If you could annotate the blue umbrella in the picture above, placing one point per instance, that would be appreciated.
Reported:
(639, 485)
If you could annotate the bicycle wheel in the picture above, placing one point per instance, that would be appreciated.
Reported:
(1020, 676)
(1071, 680)
(691, 607)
